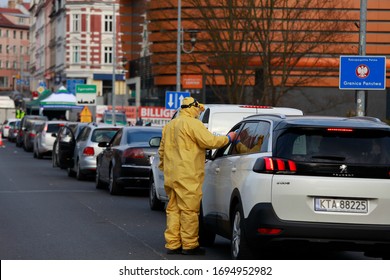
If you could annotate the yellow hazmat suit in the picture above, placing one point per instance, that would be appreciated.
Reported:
(182, 158)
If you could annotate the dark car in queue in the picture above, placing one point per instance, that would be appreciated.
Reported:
(125, 163)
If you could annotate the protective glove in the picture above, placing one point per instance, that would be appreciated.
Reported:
(232, 136)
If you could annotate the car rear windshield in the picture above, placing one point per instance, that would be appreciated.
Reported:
(103, 134)
(133, 137)
(361, 146)
(53, 127)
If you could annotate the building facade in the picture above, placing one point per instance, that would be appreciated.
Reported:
(77, 42)
(14, 47)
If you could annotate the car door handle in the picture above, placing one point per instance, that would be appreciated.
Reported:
(217, 170)
(234, 169)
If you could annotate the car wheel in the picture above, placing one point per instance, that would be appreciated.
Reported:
(239, 248)
(206, 236)
(34, 154)
(98, 182)
(79, 173)
(113, 186)
(53, 156)
(154, 202)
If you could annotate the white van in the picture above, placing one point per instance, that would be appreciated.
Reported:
(7, 108)
(219, 119)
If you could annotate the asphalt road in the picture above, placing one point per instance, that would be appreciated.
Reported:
(46, 215)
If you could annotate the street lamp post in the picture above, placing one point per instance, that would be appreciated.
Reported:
(180, 44)
(361, 94)
(113, 61)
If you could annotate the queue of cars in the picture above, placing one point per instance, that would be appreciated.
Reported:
(289, 179)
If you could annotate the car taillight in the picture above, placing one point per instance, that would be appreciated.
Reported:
(274, 165)
(269, 231)
(31, 134)
(336, 129)
(88, 151)
(134, 153)
(256, 106)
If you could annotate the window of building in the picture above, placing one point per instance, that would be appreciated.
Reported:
(21, 50)
(21, 20)
(1, 64)
(21, 35)
(7, 64)
(14, 49)
(75, 54)
(76, 23)
(7, 33)
(107, 55)
(108, 23)
(1, 32)
(1, 48)
(28, 35)
(14, 65)
(7, 49)
(4, 81)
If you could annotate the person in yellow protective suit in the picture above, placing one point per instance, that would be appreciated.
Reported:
(182, 158)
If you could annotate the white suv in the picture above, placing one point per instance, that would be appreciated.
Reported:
(300, 179)
(218, 118)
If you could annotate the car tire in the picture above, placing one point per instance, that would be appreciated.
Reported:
(53, 156)
(99, 183)
(34, 154)
(113, 186)
(239, 248)
(206, 236)
(79, 173)
(154, 203)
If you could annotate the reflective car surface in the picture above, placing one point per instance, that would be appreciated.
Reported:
(44, 140)
(13, 131)
(289, 179)
(28, 131)
(124, 163)
(79, 154)
(8, 123)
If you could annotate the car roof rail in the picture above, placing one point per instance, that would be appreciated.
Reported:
(278, 115)
(373, 119)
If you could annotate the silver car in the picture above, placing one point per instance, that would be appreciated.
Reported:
(86, 148)
(43, 141)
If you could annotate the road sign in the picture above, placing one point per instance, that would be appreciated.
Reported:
(362, 72)
(86, 94)
(71, 84)
(173, 99)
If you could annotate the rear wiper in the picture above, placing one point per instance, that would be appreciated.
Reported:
(336, 158)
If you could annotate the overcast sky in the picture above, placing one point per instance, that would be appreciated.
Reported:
(3, 3)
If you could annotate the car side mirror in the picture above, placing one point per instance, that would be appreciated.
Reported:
(54, 135)
(155, 142)
(103, 144)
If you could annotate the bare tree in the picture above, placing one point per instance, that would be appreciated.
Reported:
(278, 34)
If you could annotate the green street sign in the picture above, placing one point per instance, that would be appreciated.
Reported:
(86, 89)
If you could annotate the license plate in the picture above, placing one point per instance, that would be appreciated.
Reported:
(345, 205)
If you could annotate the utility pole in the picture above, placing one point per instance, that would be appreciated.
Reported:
(361, 94)
(113, 61)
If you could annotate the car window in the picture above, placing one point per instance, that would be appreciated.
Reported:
(348, 146)
(53, 127)
(103, 135)
(116, 141)
(248, 140)
(83, 136)
(133, 137)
